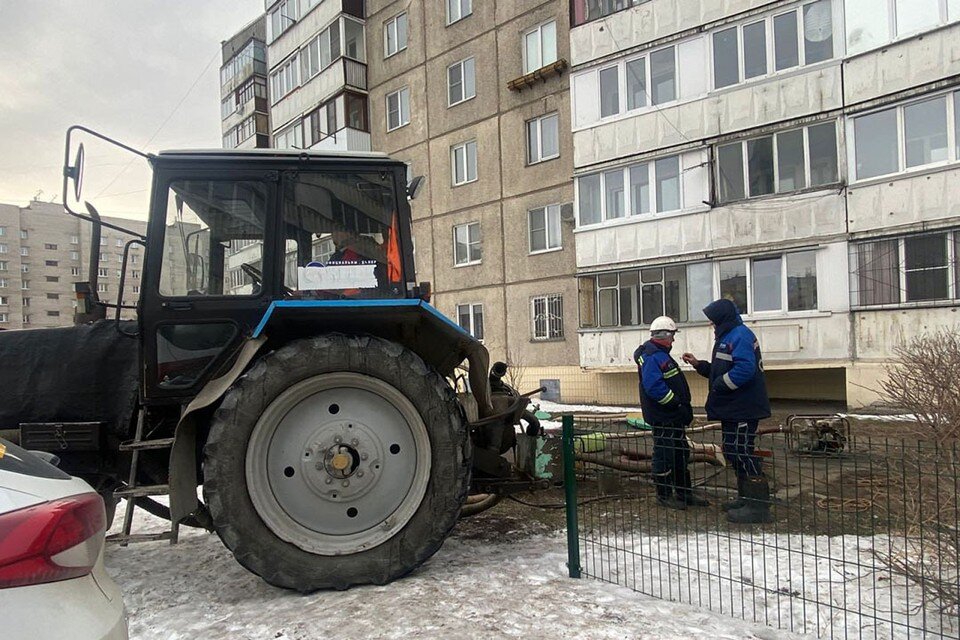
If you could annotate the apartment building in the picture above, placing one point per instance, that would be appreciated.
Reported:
(244, 106)
(318, 74)
(474, 95)
(800, 158)
(43, 252)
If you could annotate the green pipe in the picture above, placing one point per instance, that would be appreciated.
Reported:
(570, 489)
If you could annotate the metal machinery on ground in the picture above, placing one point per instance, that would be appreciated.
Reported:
(283, 357)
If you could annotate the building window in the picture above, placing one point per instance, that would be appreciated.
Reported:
(908, 136)
(53, 314)
(779, 283)
(649, 79)
(467, 247)
(458, 10)
(52, 278)
(583, 11)
(874, 23)
(3, 283)
(3, 231)
(4, 318)
(395, 35)
(547, 317)
(26, 302)
(284, 80)
(134, 259)
(4, 301)
(103, 273)
(26, 319)
(24, 285)
(74, 239)
(461, 82)
(634, 190)
(3, 265)
(24, 251)
(24, 234)
(540, 47)
(609, 92)
(470, 318)
(912, 269)
(74, 255)
(543, 139)
(3, 248)
(136, 289)
(53, 296)
(544, 225)
(282, 18)
(51, 263)
(289, 138)
(49, 246)
(134, 274)
(398, 109)
(804, 33)
(119, 243)
(784, 162)
(320, 52)
(74, 271)
(24, 268)
(101, 287)
(463, 161)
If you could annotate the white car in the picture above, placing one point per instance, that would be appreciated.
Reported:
(52, 581)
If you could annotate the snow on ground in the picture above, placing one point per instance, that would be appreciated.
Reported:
(828, 586)
(556, 407)
(469, 589)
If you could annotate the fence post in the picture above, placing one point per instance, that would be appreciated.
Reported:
(570, 490)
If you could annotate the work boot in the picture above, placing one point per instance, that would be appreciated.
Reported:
(686, 493)
(737, 502)
(756, 498)
(665, 497)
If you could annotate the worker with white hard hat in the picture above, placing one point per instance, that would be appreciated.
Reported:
(665, 398)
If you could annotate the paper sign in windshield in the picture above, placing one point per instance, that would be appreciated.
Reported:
(336, 275)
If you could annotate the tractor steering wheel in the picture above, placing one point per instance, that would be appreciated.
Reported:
(257, 276)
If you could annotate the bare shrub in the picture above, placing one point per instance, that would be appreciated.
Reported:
(515, 368)
(925, 381)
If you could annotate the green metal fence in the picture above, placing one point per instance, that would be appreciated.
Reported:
(864, 542)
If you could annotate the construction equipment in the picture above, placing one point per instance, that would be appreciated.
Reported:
(284, 357)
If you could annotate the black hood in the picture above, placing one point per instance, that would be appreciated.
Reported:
(723, 314)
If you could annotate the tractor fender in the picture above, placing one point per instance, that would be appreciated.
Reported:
(183, 455)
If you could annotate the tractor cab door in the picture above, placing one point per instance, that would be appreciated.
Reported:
(208, 280)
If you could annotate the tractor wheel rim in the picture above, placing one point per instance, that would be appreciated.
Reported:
(338, 463)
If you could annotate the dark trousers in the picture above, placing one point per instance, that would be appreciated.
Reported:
(671, 453)
(738, 441)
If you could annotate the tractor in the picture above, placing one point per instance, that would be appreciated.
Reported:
(285, 359)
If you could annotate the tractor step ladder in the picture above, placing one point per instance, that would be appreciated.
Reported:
(134, 491)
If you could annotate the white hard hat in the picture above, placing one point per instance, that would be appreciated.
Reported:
(663, 323)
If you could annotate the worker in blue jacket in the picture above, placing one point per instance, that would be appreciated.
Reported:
(665, 398)
(738, 399)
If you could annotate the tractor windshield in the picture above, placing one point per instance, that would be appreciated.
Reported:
(342, 235)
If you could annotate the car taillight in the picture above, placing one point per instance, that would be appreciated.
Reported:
(53, 541)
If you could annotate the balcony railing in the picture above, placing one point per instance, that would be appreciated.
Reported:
(583, 11)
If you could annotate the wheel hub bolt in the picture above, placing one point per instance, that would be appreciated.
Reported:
(363, 456)
(338, 439)
(329, 480)
(355, 442)
(359, 474)
(345, 483)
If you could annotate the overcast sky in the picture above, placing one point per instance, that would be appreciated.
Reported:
(117, 66)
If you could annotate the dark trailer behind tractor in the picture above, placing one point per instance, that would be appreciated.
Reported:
(285, 358)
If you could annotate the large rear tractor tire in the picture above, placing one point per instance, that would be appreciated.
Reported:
(336, 461)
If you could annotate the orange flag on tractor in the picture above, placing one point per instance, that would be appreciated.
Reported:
(394, 272)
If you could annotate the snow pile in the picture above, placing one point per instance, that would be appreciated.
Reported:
(469, 589)
(828, 586)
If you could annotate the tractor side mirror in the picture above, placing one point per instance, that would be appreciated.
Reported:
(414, 187)
(74, 173)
